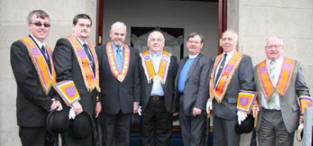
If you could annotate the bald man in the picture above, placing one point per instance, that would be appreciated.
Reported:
(119, 83)
(231, 77)
(280, 85)
(157, 71)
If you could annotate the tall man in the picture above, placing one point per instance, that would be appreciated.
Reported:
(280, 84)
(231, 77)
(34, 73)
(119, 82)
(157, 71)
(76, 60)
(193, 85)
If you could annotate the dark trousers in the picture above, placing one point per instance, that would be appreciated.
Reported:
(36, 136)
(116, 129)
(156, 123)
(224, 133)
(192, 128)
(273, 130)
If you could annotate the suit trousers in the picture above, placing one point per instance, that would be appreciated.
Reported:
(273, 130)
(224, 133)
(116, 129)
(192, 129)
(156, 123)
(36, 136)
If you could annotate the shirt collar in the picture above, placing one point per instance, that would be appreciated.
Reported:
(230, 54)
(193, 56)
(278, 61)
(116, 47)
(81, 41)
(40, 44)
(158, 54)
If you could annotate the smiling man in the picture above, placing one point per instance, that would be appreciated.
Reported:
(76, 60)
(280, 85)
(231, 79)
(34, 73)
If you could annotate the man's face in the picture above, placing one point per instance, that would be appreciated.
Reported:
(156, 42)
(39, 28)
(82, 28)
(229, 41)
(194, 45)
(118, 35)
(274, 48)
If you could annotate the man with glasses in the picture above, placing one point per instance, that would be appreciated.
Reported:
(31, 61)
(280, 85)
(76, 61)
(192, 87)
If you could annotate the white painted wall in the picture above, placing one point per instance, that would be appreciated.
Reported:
(13, 26)
(192, 16)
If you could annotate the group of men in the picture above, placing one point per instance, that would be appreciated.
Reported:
(114, 81)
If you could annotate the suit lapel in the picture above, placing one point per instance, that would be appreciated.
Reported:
(193, 66)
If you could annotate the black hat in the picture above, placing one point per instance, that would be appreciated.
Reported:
(246, 126)
(57, 121)
(82, 126)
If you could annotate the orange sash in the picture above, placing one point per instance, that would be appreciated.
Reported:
(219, 90)
(148, 66)
(282, 85)
(91, 80)
(120, 76)
(46, 78)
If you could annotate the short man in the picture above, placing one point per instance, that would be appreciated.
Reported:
(280, 84)
(157, 72)
(231, 77)
(192, 87)
(119, 82)
(34, 73)
(76, 60)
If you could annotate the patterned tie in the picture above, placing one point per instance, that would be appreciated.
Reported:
(87, 51)
(119, 59)
(220, 69)
(45, 54)
(271, 102)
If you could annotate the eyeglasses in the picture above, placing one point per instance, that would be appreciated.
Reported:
(39, 24)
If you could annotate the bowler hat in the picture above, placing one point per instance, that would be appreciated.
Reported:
(246, 126)
(82, 126)
(57, 122)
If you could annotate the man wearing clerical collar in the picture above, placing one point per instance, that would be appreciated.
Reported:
(119, 82)
(76, 60)
(280, 85)
(230, 79)
(192, 91)
(33, 70)
(157, 71)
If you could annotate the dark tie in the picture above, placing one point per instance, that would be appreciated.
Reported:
(220, 69)
(87, 51)
(45, 54)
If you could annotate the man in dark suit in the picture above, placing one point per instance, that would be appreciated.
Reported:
(119, 82)
(34, 73)
(280, 85)
(76, 60)
(192, 88)
(232, 74)
(157, 71)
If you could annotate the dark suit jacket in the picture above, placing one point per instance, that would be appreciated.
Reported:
(243, 79)
(117, 96)
(196, 86)
(168, 87)
(32, 105)
(67, 68)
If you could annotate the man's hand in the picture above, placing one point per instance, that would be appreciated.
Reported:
(241, 116)
(196, 111)
(255, 110)
(301, 119)
(98, 109)
(209, 106)
(135, 108)
(175, 114)
(77, 107)
(56, 105)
